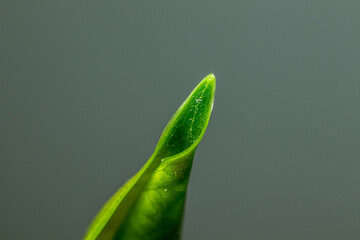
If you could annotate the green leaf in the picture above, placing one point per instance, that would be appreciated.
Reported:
(150, 205)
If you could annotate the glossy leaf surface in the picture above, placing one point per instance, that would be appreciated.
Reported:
(150, 205)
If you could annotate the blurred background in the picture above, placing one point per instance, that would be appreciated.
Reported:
(86, 88)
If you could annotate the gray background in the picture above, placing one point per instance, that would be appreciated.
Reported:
(87, 87)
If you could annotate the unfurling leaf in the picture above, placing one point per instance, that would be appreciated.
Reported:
(150, 205)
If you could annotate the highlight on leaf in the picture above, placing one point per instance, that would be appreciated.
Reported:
(150, 205)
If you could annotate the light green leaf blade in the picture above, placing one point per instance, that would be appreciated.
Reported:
(150, 205)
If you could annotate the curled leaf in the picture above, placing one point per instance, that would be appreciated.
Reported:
(150, 205)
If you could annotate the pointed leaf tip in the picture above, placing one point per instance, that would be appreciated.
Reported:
(210, 77)
(187, 126)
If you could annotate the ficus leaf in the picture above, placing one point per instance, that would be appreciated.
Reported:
(150, 205)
